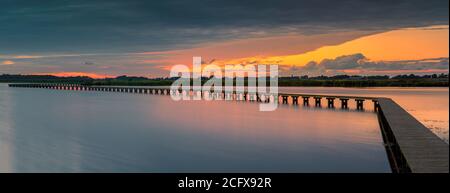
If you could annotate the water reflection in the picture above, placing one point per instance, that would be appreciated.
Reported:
(6, 134)
(72, 131)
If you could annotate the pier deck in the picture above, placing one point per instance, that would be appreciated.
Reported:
(414, 146)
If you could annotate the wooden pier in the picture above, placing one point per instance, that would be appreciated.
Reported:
(411, 147)
(284, 98)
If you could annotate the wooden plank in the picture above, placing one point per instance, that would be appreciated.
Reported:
(423, 151)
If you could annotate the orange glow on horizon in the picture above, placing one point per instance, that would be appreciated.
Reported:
(75, 74)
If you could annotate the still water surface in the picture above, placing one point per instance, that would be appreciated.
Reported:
(428, 105)
(75, 131)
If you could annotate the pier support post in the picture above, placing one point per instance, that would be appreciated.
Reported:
(305, 100)
(344, 103)
(295, 100)
(317, 101)
(285, 99)
(376, 105)
(359, 104)
(330, 102)
(258, 98)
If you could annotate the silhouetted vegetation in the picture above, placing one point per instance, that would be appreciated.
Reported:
(434, 80)
(44, 79)
(411, 80)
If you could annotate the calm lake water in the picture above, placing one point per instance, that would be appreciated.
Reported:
(428, 105)
(76, 131)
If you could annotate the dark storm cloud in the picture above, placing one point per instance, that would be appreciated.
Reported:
(362, 64)
(105, 26)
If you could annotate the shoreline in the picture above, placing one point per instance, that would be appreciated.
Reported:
(431, 85)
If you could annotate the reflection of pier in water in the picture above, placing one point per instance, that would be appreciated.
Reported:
(411, 147)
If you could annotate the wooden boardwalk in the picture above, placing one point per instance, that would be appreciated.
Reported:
(414, 147)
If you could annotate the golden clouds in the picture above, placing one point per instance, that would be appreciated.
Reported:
(8, 62)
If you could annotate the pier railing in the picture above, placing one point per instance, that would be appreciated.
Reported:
(411, 147)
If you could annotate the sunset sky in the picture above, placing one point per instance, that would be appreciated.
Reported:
(143, 38)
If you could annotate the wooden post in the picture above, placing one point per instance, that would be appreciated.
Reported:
(295, 100)
(305, 100)
(258, 98)
(318, 100)
(376, 105)
(330, 102)
(344, 103)
(359, 104)
(285, 99)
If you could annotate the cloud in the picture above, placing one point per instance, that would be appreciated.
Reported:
(8, 62)
(138, 25)
(358, 64)
(42, 56)
(343, 62)
(89, 63)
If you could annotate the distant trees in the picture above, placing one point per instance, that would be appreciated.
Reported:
(412, 76)
(336, 81)
(44, 79)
